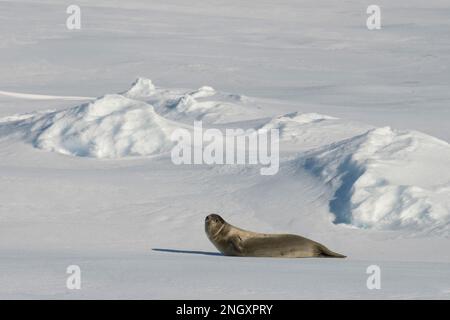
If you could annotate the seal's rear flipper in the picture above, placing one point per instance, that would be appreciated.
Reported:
(327, 253)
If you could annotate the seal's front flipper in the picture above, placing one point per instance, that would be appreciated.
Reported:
(236, 245)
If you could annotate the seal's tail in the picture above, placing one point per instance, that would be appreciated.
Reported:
(325, 252)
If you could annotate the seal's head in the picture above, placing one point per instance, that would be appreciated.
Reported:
(213, 224)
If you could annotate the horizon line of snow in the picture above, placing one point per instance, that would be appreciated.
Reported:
(31, 96)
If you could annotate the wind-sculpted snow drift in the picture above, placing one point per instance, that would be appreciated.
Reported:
(387, 179)
(380, 178)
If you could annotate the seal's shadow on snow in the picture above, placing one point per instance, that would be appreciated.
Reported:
(206, 253)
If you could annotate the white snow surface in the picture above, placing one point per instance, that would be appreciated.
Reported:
(364, 169)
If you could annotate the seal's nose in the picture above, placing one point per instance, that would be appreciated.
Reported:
(207, 218)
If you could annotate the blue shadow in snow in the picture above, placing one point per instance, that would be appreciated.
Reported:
(340, 205)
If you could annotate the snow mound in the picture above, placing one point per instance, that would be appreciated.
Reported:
(142, 87)
(304, 131)
(387, 180)
(289, 123)
(301, 118)
(205, 104)
(112, 126)
(203, 92)
(137, 122)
